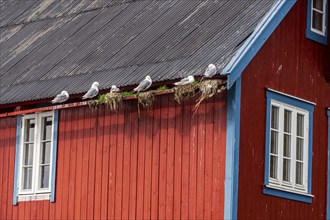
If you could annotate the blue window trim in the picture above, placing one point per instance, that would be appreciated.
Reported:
(18, 138)
(311, 34)
(308, 106)
(17, 153)
(328, 190)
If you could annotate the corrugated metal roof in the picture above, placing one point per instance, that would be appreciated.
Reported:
(49, 46)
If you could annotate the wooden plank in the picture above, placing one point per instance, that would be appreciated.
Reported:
(79, 162)
(185, 160)
(141, 164)
(193, 168)
(163, 160)
(105, 165)
(72, 165)
(178, 161)
(11, 146)
(209, 123)
(112, 165)
(126, 162)
(91, 166)
(33, 208)
(5, 169)
(45, 212)
(147, 164)
(2, 161)
(119, 172)
(155, 160)
(39, 209)
(134, 159)
(200, 160)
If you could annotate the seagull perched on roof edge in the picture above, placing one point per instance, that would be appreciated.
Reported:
(188, 80)
(144, 85)
(92, 92)
(210, 71)
(114, 88)
(62, 97)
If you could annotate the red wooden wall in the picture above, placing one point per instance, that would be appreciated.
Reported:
(167, 164)
(290, 63)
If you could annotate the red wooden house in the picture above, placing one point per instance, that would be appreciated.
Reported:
(258, 150)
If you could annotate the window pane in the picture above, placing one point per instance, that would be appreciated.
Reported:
(47, 128)
(274, 119)
(286, 170)
(287, 145)
(27, 178)
(300, 125)
(273, 167)
(45, 153)
(29, 130)
(28, 154)
(318, 4)
(274, 142)
(299, 173)
(300, 147)
(317, 21)
(287, 121)
(44, 177)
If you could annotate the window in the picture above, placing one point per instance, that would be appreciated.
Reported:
(317, 14)
(35, 156)
(288, 147)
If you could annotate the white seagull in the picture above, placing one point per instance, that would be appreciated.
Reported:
(188, 80)
(62, 97)
(92, 92)
(210, 71)
(114, 88)
(144, 85)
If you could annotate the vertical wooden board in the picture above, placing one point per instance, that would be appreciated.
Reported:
(163, 160)
(33, 208)
(52, 208)
(5, 168)
(27, 210)
(98, 161)
(209, 122)
(21, 210)
(200, 160)
(133, 159)
(85, 163)
(91, 166)
(40, 209)
(105, 164)
(45, 212)
(155, 160)
(79, 162)
(148, 163)
(170, 159)
(177, 161)
(11, 146)
(141, 164)
(185, 160)
(62, 131)
(119, 172)
(72, 165)
(112, 165)
(126, 162)
(66, 162)
(2, 147)
(193, 167)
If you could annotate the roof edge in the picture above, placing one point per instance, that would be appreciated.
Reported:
(256, 40)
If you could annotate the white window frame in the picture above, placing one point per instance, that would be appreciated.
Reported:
(323, 12)
(35, 193)
(279, 182)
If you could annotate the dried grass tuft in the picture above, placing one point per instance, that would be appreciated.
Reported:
(113, 101)
(146, 99)
(184, 92)
(93, 104)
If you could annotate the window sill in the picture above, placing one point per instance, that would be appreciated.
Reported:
(25, 198)
(287, 194)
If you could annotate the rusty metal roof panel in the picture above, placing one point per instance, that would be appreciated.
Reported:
(50, 46)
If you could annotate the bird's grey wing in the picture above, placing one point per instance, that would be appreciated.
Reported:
(60, 98)
(91, 93)
(145, 84)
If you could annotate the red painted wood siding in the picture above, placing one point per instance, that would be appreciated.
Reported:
(167, 164)
(290, 63)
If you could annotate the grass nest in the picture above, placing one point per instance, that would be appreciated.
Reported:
(184, 92)
(208, 89)
(93, 104)
(113, 101)
(146, 99)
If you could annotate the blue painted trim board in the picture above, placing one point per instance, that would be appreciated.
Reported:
(328, 190)
(272, 95)
(18, 139)
(54, 156)
(256, 40)
(232, 150)
(313, 35)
